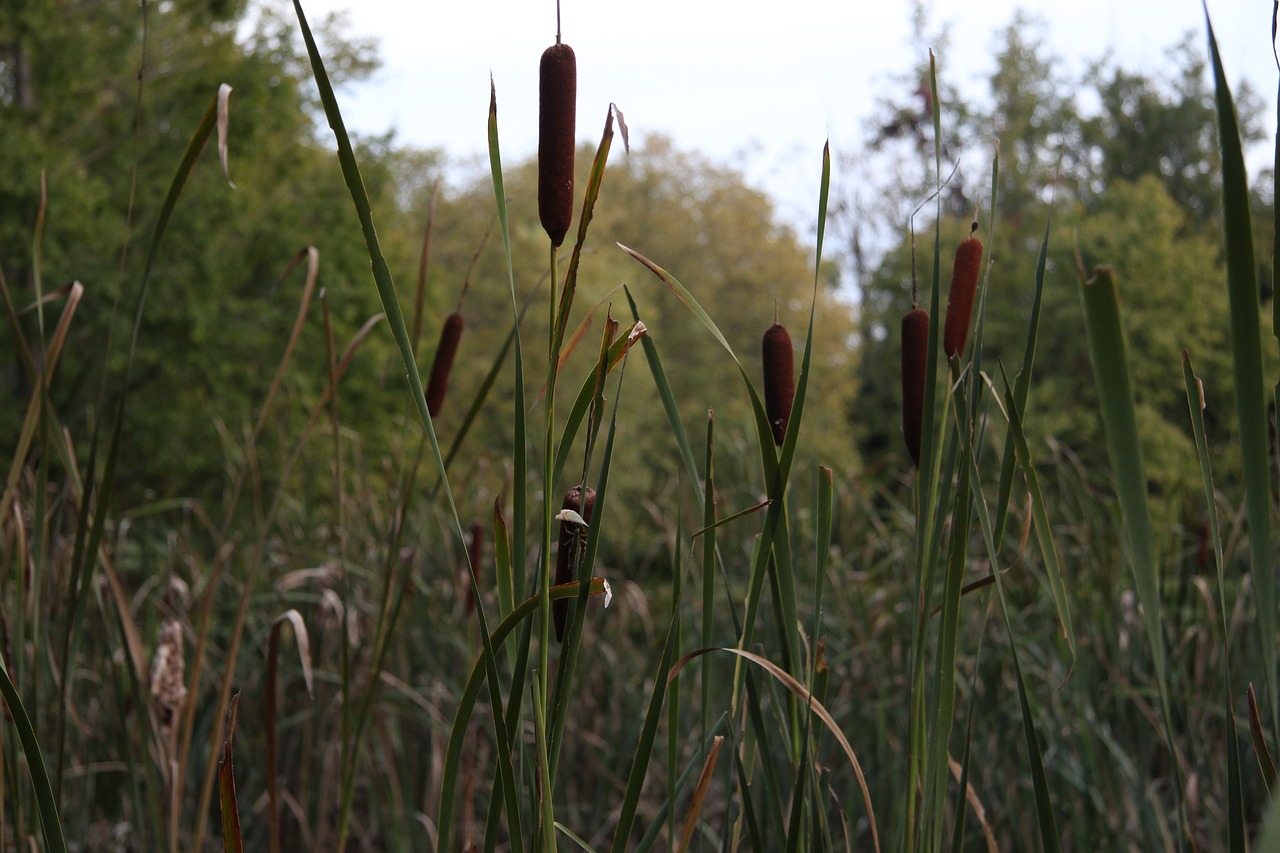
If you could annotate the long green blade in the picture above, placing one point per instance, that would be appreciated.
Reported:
(644, 745)
(46, 805)
(395, 318)
(1109, 355)
(1246, 358)
(1236, 832)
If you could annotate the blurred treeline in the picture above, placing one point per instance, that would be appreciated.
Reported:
(1124, 161)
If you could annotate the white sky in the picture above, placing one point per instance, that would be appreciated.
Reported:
(760, 85)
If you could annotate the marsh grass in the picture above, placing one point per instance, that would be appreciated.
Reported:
(828, 664)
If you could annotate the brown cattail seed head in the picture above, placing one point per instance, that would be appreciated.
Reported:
(557, 106)
(915, 358)
(964, 283)
(572, 539)
(168, 679)
(779, 379)
(438, 384)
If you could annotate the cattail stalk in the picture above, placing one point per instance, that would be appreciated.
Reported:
(442, 366)
(572, 540)
(476, 553)
(915, 360)
(964, 284)
(779, 379)
(557, 107)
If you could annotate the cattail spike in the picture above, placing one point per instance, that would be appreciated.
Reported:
(779, 379)
(964, 284)
(442, 366)
(915, 361)
(571, 540)
(557, 107)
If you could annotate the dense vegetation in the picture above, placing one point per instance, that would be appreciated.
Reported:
(224, 446)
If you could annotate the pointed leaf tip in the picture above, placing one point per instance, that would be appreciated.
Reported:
(622, 127)
(224, 110)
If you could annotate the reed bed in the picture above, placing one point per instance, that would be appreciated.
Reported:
(911, 666)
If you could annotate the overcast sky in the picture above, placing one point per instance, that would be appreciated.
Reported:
(748, 83)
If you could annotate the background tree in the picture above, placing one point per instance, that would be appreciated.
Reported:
(722, 240)
(69, 96)
(1120, 194)
(218, 319)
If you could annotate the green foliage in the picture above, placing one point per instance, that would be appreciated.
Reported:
(1123, 197)
(215, 291)
(724, 238)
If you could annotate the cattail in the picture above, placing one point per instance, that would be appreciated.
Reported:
(477, 557)
(779, 379)
(964, 283)
(438, 384)
(557, 105)
(571, 541)
(915, 358)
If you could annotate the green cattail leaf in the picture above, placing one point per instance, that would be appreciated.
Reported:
(1045, 819)
(928, 532)
(755, 835)
(1022, 387)
(502, 565)
(774, 551)
(930, 421)
(708, 567)
(1246, 357)
(1043, 527)
(1275, 193)
(763, 431)
(795, 827)
(777, 468)
(1109, 356)
(644, 743)
(944, 684)
(587, 393)
(574, 837)
(395, 318)
(594, 181)
(520, 472)
(1259, 737)
(984, 291)
(46, 805)
(567, 663)
(822, 552)
(1236, 832)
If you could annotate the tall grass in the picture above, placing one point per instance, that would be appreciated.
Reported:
(821, 670)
